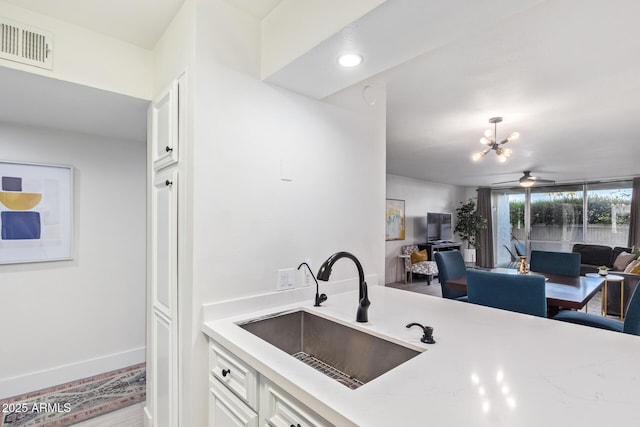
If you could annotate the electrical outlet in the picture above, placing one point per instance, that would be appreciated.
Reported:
(286, 279)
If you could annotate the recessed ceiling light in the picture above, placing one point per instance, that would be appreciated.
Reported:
(349, 60)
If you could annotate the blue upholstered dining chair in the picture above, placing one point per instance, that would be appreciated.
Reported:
(513, 292)
(450, 266)
(564, 263)
(630, 325)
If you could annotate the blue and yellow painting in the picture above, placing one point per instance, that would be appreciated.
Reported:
(19, 222)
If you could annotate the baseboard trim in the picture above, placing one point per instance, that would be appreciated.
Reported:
(147, 419)
(38, 380)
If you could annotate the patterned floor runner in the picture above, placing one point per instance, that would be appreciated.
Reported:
(76, 401)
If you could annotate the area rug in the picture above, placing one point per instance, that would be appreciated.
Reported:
(70, 403)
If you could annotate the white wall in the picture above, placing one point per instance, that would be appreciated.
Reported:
(246, 221)
(86, 57)
(420, 197)
(66, 320)
(174, 52)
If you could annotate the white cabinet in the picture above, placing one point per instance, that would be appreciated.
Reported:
(240, 396)
(279, 409)
(165, 127)
(164, 308)
(234, 373)
(164, 252)
(227, 410)
(233, 390)
(166, 124)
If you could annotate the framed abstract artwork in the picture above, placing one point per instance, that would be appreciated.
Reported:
(394, 220)
(36, 212)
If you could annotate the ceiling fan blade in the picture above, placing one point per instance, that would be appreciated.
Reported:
(526, 178)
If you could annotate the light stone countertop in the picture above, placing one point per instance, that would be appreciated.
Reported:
(488, 367)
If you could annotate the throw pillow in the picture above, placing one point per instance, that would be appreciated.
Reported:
(636, 251)
(623, 260)
(636, 269)
(633, 264)
(419, 256)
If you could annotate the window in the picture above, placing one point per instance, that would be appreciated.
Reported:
(509, 223)
(608, 212)
(554, 218)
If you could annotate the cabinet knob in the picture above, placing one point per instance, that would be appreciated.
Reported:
(226, 372)
(168, 149)
(296, 425)
(168, 183)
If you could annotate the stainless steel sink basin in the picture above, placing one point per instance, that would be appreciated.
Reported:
(348, 355)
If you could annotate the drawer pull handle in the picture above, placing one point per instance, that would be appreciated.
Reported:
(168, 183)
(168, 149)
(226, 372)
(297, 425)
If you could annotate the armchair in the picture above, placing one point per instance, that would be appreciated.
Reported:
(427, 268)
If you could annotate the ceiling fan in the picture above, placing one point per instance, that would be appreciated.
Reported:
(527, 180)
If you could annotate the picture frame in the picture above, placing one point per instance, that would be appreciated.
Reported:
(36, 212)
(394, 220)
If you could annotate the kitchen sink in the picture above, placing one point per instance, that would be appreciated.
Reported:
(350, 356)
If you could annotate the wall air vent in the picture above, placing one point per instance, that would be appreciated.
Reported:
(24, 44)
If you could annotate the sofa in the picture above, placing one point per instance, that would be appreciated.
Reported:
(594, 256)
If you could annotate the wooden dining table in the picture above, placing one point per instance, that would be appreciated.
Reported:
(561, 291)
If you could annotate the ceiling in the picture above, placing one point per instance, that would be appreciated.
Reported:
(140, 22)
(563, 73)
(55, 104)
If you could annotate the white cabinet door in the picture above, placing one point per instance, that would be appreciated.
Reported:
(236, 375)
(227, 410)
(165, 129)
(162, 368)
(164, 298)
(279, 409)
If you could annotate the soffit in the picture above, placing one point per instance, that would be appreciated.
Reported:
(33, 100)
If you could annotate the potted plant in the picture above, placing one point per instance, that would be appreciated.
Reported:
(468, 225)
(603, 270)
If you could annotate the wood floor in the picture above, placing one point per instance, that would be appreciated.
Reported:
(420, 286)
(131, 416)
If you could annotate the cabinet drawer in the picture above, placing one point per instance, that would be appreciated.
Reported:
(234, 373)
(279, 409)
(226, 409)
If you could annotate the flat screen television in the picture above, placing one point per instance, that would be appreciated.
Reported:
(439, 227)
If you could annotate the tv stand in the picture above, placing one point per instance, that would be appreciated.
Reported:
(440, 245)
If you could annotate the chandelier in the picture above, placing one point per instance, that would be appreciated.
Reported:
(489, 139)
